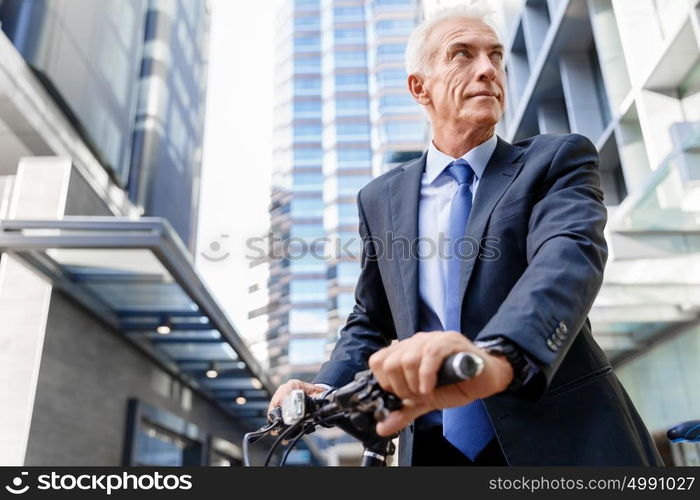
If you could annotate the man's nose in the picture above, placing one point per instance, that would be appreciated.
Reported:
(485, 68)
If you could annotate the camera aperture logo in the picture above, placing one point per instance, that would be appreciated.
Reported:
(103, 482)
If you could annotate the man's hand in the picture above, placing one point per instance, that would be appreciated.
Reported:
(284, 389)
(409, 369)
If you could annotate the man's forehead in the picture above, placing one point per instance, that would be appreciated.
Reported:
(463, 29)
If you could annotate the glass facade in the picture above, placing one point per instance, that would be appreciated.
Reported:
(130, 75)
(297, 282)
(167, 155)
(399, 126)
(343, 115)
(90, 72)
(627, 76)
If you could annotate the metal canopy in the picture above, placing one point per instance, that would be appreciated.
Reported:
(137, 277)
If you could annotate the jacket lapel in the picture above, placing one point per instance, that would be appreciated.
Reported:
(404, 194)
(500, 172)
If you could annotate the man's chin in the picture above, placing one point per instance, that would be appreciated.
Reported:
(486, 118)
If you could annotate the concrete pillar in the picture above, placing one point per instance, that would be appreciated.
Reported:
(535, 26)
(39, 192)
(551, 118)
(578, 82)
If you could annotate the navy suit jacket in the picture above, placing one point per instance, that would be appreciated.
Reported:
(537, 224)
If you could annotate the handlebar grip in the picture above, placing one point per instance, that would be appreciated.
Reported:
(459, 367)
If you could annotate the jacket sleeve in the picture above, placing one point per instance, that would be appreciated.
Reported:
(566, 256)
(369, 326)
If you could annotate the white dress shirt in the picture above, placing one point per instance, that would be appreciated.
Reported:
(436, 193)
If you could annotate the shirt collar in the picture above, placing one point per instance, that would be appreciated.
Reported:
(478, 157)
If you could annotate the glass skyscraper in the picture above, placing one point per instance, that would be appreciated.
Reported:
(399, 131)
(343, 115)
(297, 292)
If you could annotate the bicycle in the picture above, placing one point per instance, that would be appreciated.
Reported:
(356, 408)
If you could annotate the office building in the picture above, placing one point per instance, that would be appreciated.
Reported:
(627, 75)
(343, 115)
(114, 350)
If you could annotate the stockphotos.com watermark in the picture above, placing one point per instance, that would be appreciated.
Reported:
(106, 483)
(275, 248)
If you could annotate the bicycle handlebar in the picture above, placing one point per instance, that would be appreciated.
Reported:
(355, 408)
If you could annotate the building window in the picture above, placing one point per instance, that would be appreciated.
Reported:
(307, 207)
(304, 109)
(308, 321)
(349, 13)
(391, 52)
(392, 77)
(349, 34)
(353, 81)
(394, 27)
(307, 231)
(307, 263)
(311, 131)
(345, 303)
(307, 351)
(305, 290)
(350, 58)
(307, 23)
(347, 213)
(156, 437)
(306, 4)
(403, 131)
(397, 103)
(351, 107)
(353, 155)
(347, 273)
(304, 86)
(352, 131)
(307, 181)
(351, 184)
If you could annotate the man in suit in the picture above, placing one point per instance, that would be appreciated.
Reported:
(491, 248)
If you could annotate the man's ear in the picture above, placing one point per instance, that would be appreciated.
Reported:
(416, 86)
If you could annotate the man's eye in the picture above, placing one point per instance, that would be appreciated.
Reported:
(498, 55)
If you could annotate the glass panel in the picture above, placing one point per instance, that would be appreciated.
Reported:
(305, 290)
(307, 351)
(308, 321)
(347, 273)
(671, 198)
(307, 263)
(198, 351)
(124, 279)
(156, 447)
(307, 207)
(657, 381)
(346, 302)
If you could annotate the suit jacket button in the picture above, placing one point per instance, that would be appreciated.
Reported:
(563, 327)
(551, 345)
(557, 341)
(559, 334)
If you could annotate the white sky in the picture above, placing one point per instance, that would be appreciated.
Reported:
(237, 156)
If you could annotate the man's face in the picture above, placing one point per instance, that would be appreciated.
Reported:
(467, 77)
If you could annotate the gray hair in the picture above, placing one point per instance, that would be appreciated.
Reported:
(417, 49)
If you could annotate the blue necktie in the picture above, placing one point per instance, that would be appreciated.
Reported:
(468, 428)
